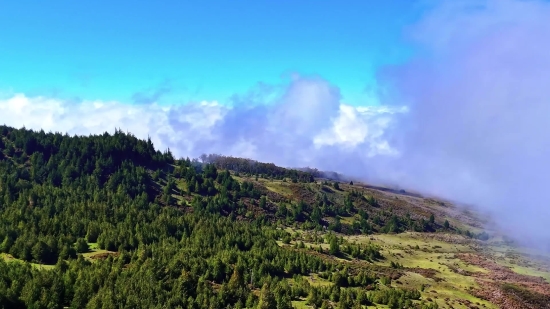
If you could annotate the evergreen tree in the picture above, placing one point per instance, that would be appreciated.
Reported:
(81, 245)
(267, 299)
(334, 248)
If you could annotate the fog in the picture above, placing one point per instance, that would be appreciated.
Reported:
(478, 129)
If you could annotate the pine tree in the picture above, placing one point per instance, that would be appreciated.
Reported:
(267, 299)
(263, 202)
(334, 246)
(40, 251)
(81, 246)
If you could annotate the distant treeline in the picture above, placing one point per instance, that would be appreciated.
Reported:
(253, 167)
(324, 174)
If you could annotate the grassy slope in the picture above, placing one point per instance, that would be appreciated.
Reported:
(448, 286)
(454, 278)
(452, 285)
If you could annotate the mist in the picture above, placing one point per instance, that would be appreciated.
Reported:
(478, 126)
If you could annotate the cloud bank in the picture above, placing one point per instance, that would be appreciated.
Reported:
(479, 99)
(307, 124)
(466, 119)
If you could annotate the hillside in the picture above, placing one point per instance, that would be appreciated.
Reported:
(110, 222)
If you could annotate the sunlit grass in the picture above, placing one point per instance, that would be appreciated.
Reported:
(9, 258)
(412, 251)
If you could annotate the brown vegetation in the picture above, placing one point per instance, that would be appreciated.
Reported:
(506, 288)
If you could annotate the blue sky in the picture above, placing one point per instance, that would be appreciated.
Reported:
(198, 50)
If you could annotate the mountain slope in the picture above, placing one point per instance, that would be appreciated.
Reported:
(108, 221)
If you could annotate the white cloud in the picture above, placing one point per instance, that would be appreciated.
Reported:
(356, 126)
(300, 128)
(96, 117)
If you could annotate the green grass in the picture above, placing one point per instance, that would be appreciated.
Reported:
(300, 304)
(9, 258)
(347, 219)
(315, 280)
(94, 250)
(182, 185)
(449, 287)
(432, 254)
(531, 272)
(278, 186)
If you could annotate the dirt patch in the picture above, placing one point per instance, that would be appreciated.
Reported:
(459, 270)
(425, 272)
(272, 196)
(507, 298)
(301, 192)
(104, 255)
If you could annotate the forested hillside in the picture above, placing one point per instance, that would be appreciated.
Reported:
(172, 233)
(109, 222)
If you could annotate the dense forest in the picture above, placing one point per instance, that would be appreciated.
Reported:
(177, 233)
